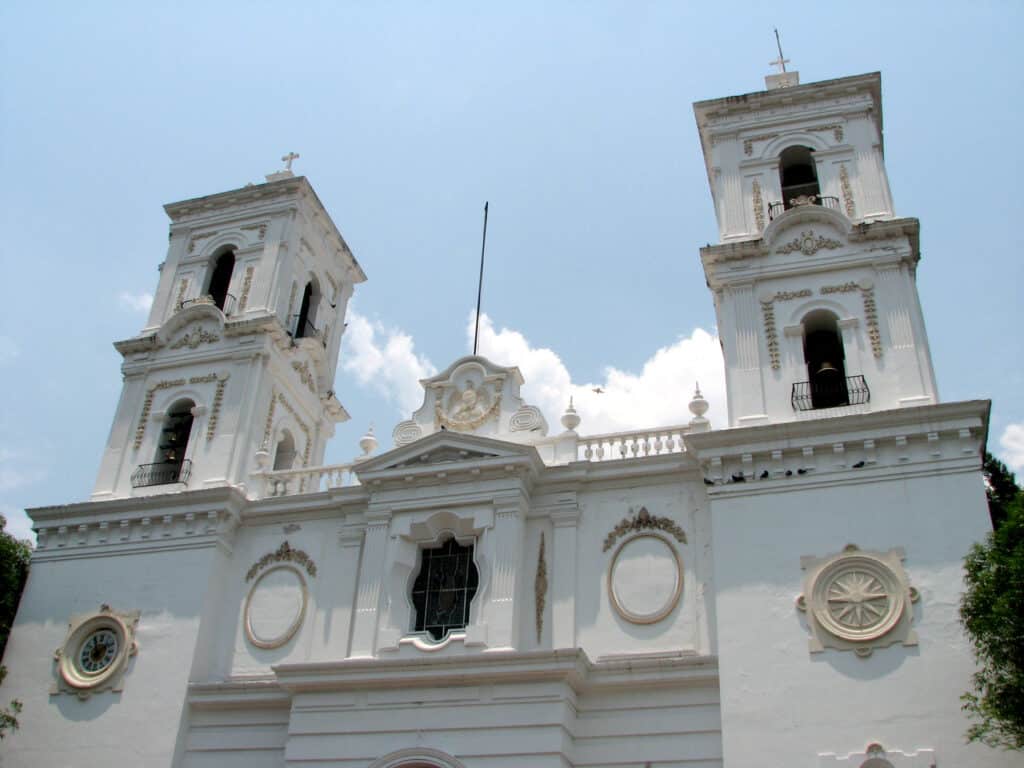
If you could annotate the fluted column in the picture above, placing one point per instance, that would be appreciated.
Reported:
(503, 607)
(371, 574)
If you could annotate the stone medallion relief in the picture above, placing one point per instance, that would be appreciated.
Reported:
(645, 576)
(276, 604)
(857, 600)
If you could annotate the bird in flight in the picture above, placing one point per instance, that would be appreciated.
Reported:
(598, 390)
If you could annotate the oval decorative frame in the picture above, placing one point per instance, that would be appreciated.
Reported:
(289, 633)
(71, 671)
(670, 604)
(846, 566)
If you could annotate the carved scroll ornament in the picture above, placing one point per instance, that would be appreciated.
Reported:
(644, 521)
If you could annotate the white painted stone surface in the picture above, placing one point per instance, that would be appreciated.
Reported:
(638, 593)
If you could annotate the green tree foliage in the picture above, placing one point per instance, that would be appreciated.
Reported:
(992, 612)
(14, 560)
(1000, 487)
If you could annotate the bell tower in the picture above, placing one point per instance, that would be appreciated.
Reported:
(814, 275)
(234, 371)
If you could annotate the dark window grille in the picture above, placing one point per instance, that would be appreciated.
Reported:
(444, 588)
(811, 395)
(161, 473)
(780, 207)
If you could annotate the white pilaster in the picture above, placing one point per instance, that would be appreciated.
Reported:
(563, 588)
(371, 573)
(503, 607)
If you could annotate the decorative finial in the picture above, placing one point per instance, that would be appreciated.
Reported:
(698, 407)
(784, 78)
(780, 62)
(570, 419)
(286, 172)
(368, 443)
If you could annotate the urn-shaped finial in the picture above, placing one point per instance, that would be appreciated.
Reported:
(570, 419)
(368, 442)
(698, 407)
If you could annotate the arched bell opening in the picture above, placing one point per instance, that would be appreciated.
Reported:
(798, 175)
(169, 464)
(220, 279)
(825, 358)
(284, 454)
(175, 433)
(305, 324)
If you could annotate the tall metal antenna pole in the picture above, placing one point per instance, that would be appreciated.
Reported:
(782, 61)
(480, 285)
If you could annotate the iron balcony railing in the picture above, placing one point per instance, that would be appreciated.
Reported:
(777, 208)
(810, 395)
(305, 329)
(161, 473)
(227, 309)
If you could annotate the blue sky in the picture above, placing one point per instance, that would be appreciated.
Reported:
(573, 119)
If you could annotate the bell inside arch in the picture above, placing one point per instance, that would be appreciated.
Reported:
(826, 371)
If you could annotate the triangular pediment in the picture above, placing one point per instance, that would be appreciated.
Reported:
(446, 448)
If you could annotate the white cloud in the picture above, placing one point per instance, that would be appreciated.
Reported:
(385, 360)
(658, 395)
(9, 350)
(135, 302)
(1012, 443)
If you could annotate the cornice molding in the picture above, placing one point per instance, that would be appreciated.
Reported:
(571, 666)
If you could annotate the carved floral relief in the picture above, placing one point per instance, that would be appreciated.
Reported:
(643, 521)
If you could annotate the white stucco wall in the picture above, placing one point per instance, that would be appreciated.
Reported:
(778, 699)
(139, 725)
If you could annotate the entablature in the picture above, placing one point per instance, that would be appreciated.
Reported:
(852, 448)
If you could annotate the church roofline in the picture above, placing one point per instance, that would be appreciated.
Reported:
(908, 420)
(747, 102)
(709, 111)
(297, 186)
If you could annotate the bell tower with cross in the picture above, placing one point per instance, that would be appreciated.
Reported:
(233, 373)
(814, 274)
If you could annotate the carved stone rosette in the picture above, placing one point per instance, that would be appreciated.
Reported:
(195, 338)
(808, 243)
(857, 600)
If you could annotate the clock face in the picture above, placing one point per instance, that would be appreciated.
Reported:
(98, 651)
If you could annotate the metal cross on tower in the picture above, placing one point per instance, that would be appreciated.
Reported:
(780, 62)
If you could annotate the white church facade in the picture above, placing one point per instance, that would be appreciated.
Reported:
(499, 591)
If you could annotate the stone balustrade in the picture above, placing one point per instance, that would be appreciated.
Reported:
(289, 482)
(607, 447)
(629, 445)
